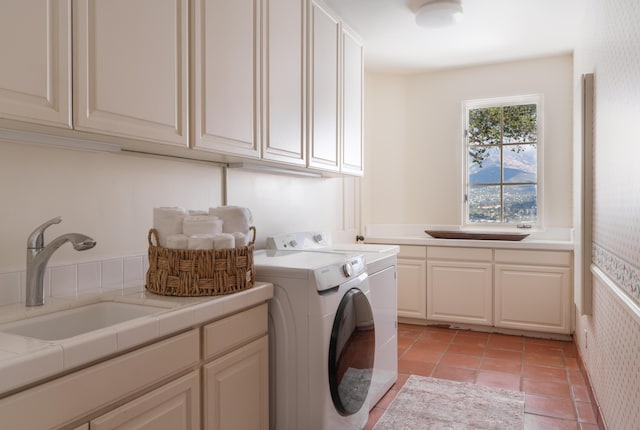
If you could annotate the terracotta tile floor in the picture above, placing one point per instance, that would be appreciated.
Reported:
(547, 371)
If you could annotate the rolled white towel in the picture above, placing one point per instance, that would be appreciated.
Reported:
(201, 241)
(201, 224)
(223, 241)
(198, 212)
(234, 218)
(241, 239)
(168, 221)
(178, 241)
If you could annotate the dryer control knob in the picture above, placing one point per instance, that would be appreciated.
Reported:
(293, 243)
(318, 238)
(347, 269)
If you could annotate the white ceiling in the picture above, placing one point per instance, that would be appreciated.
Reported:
(491, 31)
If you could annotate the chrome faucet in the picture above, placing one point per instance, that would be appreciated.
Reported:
(38, 256)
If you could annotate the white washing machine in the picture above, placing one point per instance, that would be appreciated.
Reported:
(321, 339)
(381, 261)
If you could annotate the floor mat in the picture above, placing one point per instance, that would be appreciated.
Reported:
(440, 404)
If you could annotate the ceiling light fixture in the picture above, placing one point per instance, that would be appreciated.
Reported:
(439, 13)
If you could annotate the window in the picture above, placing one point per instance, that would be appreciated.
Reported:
(502, 147)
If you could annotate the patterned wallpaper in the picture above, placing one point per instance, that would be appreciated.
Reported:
(617, 143)
(613, 360)
(609, 339)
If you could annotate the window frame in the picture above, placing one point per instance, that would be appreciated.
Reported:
(467, 105)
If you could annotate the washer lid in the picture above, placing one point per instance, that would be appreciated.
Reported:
(328, 269)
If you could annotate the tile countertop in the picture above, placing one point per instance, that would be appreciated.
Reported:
(556, 239)
(24, 361)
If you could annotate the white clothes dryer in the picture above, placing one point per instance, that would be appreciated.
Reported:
(381, 262)
(321, 339)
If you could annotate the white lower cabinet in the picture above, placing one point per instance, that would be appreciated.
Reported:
(174, 406)
(534, 293)
(519, 289)
(159, 386)
(460, 285)
(412, 282)
(236, 389)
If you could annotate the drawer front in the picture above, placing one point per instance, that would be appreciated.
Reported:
(459, 254)
(538, 258)
(99, 386)
(231, 332)
(412, 251)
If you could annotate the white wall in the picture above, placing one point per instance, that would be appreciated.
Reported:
(285, 204)
(609, 339)
(413, 132)
(106, 196)
(110, 197)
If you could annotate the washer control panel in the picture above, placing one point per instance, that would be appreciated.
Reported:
(336, 274)
(302, 241)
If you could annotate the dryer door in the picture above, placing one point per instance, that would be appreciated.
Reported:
(351, 352)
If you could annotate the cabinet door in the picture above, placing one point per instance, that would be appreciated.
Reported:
(174, 406)
(460, 292)
(236, 389)
(324, 89)
(131, 69)
(352, 143)
(533, 298)
(226, 69)
(35, 76)
(412, 288)
(283, 86)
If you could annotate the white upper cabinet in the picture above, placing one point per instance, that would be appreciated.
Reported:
(283, 84)
(324, 103)
(273, 80)
(35, 76)
(131, 69)
(352, 99)
(226, 58)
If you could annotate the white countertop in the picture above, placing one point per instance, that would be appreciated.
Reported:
(25, 360)
(559, 239)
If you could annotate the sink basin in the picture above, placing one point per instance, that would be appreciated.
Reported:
(76, 321)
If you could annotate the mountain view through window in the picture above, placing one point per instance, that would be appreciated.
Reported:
(502, 164)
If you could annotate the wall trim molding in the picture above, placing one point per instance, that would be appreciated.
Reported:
(618, 291)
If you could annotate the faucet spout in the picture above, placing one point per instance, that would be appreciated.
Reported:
(38, 256)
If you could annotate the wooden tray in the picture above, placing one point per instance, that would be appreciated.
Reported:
(443, 234)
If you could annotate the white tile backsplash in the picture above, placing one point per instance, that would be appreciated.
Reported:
(10, 288)
(73, 279)
(89, 276)
(64, 280)
(112, 273)
(132, 271)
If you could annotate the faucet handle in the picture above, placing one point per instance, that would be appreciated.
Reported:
(36, 238)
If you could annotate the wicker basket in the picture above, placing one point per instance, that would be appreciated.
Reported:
(194, 273)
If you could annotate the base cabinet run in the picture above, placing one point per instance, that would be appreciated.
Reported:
(518, 289)
(460, 285)
(533, 290)
(218, 371)
(412, 280)
(236, 389)
(174, 406)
